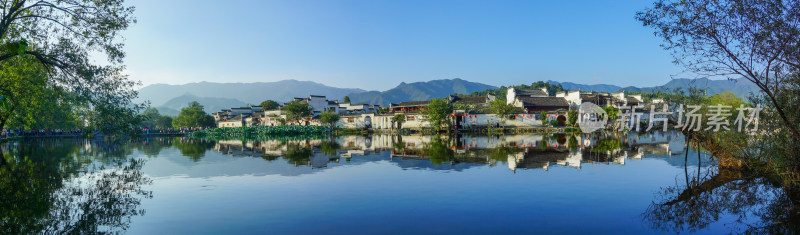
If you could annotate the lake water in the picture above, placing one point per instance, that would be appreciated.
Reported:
(598, 183)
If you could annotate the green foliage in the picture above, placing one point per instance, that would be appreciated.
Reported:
(438, 112)
(192, 148)
(330, 148)
(383, 110)
(152, 119)
(16, 47)
(269, 105)
(399, 119)
(193, 116)
(612, 113)
(330, 118)
(756, 40)
(607, 145)
(297, 110)
(438, 150)
(543, 116)
(346, 99)
(503, 110)
(572, 117)
(61, 38)
(29, 102)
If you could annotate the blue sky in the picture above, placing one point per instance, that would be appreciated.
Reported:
(376, 44)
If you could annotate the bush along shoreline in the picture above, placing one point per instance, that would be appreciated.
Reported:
(243, 132)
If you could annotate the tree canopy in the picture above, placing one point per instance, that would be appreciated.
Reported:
(193, 116)
(297, 110)
(60, 36)
(152, 119)
(329, 118)
(503, 110)
(269, 105)
(757, 40)
(438, 112)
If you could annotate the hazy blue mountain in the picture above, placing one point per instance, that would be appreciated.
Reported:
(210, 104)
(419, 91)
(741, 87)
(281, 91)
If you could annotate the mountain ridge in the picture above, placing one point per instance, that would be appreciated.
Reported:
(169, 99)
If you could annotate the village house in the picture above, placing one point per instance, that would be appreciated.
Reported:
(235, 117)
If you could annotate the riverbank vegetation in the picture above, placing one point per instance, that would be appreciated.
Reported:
(49, 80)
(754, 40)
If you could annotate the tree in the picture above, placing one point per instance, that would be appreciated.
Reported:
(399, 119)
(60, 36)
(503, 110)
(756, 40)
(330, 118)
(438, 112)
(543, 116)
(152, 119)
(346, 99)
(269, 105)
(29, 99)
(193, 116)
(612, 113)
(297, 110)
(572, 117)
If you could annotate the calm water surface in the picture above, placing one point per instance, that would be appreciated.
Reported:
(378, 184)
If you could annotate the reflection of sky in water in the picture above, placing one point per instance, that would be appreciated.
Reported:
(378, 192)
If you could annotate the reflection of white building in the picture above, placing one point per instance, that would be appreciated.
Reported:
(573, 160)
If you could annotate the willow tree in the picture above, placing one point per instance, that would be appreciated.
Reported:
(753, 39)
(60, 35)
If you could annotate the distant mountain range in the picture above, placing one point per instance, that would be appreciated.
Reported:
(740, 87)
(254, 93)
(419, 91)
(210, 104)
(169, 99)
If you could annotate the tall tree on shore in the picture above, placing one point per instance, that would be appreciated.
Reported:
(438, 113)
(757, 40)
(503, 110)
(60, 35)
(329, 118)
(269, 105)
(193, 116)
(297, 110)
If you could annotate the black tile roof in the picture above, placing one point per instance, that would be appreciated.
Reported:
(543, 101)
(535, 92)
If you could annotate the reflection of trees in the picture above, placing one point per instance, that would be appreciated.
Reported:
(330, 148)
(438, 150)
(502, 152)
(65, 186)
(701, 202)
(151, 147)
(192, 148)
(298, 155)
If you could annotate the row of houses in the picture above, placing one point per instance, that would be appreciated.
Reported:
(469, 112)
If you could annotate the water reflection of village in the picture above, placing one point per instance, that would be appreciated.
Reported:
(530, 151)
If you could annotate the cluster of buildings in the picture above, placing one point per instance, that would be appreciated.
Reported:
(469, 112)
